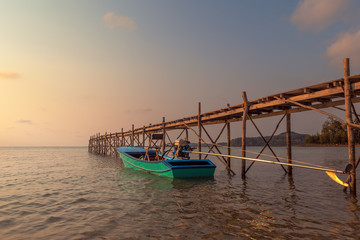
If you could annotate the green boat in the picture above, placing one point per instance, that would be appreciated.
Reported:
(150, 160)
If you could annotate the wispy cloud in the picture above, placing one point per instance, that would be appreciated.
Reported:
(23, 121)
(316, 15)
(144, 111)
(139, 111)
(113, 21)
(346, 45)
(9, 75)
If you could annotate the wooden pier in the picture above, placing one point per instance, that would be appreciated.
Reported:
(340, 92)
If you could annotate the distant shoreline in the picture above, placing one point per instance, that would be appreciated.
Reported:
(305, 145)
(324, 145)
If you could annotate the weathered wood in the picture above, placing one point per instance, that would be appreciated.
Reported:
(315, 97)
(267, 142)
(122, 137)
(132, 136)
(325, 113)
(221, 160)
(243, 140)
(214, 142)
(349, 120)
(288, 143)
(199, 129)
(143, 137)
(164, 133)
(228, 144)
(234, 113)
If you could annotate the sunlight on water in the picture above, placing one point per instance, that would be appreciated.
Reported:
(67, 193)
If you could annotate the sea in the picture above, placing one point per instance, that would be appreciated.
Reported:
(69, 193)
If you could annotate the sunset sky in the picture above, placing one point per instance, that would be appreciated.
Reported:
(70, 69)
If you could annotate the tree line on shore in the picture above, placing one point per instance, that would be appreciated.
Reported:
(333, 132)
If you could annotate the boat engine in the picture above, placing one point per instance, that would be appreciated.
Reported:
(181, 149)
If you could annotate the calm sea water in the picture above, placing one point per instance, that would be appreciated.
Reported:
(67, 193)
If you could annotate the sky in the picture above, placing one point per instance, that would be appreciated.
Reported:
(70, 69)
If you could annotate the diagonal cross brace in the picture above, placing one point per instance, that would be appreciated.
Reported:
(266, 143)
(209, 147)
(213, 143)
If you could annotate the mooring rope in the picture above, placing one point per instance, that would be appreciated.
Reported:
(268, 155)
(272, 162)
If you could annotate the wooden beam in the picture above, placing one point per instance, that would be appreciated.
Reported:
(288, 143)
(266, 143)
(349, 120)
(243, 142)
(320, 111)
(164, 132)
(228, 145)
(199, 129)
(214, 142)
(132, 136)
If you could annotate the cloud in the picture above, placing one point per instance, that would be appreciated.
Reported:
(316, 15)
(139, 111)
(346, 45)
(113, 21)
(144, 111)
(9, 75)
(23, 121)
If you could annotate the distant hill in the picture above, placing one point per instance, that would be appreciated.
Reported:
(277, 140)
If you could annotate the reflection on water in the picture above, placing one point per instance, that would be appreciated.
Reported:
(66, 193)
(151, 181)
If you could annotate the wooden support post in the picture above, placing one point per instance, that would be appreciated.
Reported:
(186, 134)
(122, 137)
(351, 142)
(109, 144)
(164, 133)
(143, 136)
(119, 140)
(132, 136)
(288, 143)
(199, 129)
(104, 144)
(116, 140)
(99, 144)
(243, 142)
(228, 144)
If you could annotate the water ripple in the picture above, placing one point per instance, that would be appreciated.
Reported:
(65, 193)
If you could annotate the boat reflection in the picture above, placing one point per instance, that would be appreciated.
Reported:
(151, 181)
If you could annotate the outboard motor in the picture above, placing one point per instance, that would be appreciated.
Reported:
(181, 149)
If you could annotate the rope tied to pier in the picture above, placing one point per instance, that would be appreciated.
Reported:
(329, 171)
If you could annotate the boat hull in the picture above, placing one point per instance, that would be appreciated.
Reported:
(169, 168)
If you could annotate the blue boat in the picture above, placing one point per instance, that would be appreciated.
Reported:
(152, 161)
